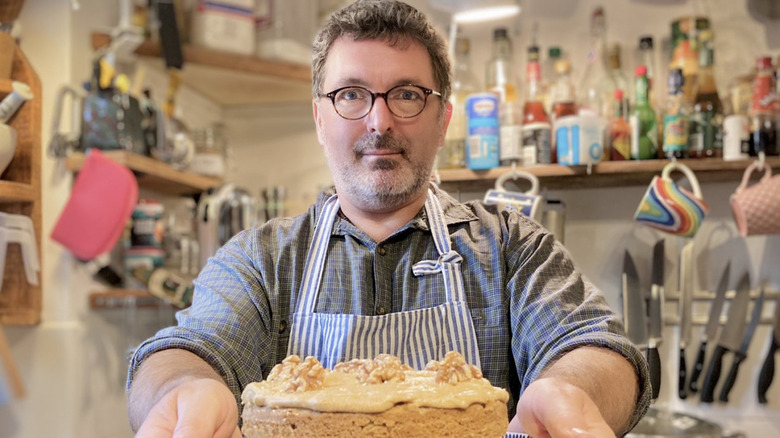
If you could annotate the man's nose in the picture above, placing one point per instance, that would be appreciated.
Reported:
(379, 118)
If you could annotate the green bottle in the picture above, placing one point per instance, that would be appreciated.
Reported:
(644, 128)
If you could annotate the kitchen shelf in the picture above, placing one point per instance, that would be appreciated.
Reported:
(17, 192)
(606, 174)
(153, 174)
(229, 79)
(118, 298)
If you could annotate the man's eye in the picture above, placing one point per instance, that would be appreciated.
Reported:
(349, 95)
(407, 94)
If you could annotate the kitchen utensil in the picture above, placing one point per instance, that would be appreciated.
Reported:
(741, 353)
(60, 142)
(686, 303)
(222, 213)
(768, 368)
(712, 327)
(634, 311)
(666, 424)
(11, 103)
(656, 317)
(730, 337)
(101, 201)
(670, 208)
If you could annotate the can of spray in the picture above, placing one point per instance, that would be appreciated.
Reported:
(482, 131)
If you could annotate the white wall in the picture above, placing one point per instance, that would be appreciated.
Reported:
(73, 363)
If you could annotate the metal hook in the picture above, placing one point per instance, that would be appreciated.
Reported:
(761, 159)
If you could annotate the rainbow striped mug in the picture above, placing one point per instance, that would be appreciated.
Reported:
(670, 208)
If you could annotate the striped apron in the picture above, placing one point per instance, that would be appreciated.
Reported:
(416, 336)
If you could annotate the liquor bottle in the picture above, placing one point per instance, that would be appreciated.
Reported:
(563, 100)
(616, 80)
(536, 125)
(676, 126)
(764, 110)
(646, 57)
(706, 137)
(554, 55)
(597, 86)
(619, 131)
(500, 75)
(510, 128)
(644, 127)
(453, 154)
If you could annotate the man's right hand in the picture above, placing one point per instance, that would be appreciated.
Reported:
(200, 408)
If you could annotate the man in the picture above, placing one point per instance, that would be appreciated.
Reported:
(390, 243)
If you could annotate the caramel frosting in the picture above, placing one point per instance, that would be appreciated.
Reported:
(372, 386)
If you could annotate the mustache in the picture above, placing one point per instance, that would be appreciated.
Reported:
(373, 142)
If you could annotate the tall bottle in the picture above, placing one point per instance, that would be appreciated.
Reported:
(619, 131)
(500, 76)
(617, 80)
(706, 137)
(563, 101)
(676, 128)
(453, 154)
(644, 128)
(764, 110)
(536, 125)
(597, 86)
(554, 55)
(646, 57)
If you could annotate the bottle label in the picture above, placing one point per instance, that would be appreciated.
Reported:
(621, 146)
(511, 144)
(644, 138)
(765, 99)
(536, 143)
(675, 132)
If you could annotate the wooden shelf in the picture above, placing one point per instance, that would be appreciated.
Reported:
(606, 174)
(17, 192)
(119, 298)
(230, 79)
(153, 174)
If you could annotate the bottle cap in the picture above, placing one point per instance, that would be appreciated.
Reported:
(763, 62)
(562, 67)
(641, 70)
(554, 52)
(646, 42)
(675, 80)
(618, 94)
(499, 32)
(533, 53)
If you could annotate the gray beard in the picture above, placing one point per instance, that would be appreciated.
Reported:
(379, 187)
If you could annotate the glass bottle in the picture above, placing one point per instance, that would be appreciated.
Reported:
(554, 55)
(453, 154)
(597, 86)
(500, 76)
(646, 57)
(619, 131)
(644, 128)
(562, 92)
(764, 110)
(536, 125)
(617, 80)
(706, 137)
(676, 128)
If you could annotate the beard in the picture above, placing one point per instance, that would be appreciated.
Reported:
(382, 183)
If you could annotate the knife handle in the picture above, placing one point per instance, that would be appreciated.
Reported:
(731, 378)
(767, 370)
(654, 363)
(698, 366)
(713, 374)
(681, 392)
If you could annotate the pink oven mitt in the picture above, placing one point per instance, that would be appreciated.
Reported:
(100, 204)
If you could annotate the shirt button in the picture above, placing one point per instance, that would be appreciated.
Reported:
(381, 310)
(282, 326)
(381, 250)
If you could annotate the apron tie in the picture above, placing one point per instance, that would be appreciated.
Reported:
(427, 267)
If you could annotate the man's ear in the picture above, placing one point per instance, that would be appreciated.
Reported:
(317, 121)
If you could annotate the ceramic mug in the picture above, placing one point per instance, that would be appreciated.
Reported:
(527, 202)
(670, 208)
(757, 208)
(7, 146)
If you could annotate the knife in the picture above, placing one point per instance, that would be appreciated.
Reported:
(730, 337)
(686, 302)
(712, 328)
(768, 369)
(634, 313)
(656, 317)
(741, 354)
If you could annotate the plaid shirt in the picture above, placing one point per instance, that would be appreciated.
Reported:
(528, 302)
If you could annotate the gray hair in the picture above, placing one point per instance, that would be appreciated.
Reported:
(389, 20)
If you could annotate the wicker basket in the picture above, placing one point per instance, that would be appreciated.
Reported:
(9, 10)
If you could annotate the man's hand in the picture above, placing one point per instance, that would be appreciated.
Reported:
(201, 408)
(553, 408)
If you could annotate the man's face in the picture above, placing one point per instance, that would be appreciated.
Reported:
(379, 162)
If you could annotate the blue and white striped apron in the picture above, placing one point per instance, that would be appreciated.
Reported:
(415, 336)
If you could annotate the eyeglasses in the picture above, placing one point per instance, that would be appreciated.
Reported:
(404, 101)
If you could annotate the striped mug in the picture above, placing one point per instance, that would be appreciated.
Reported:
(670, 208)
